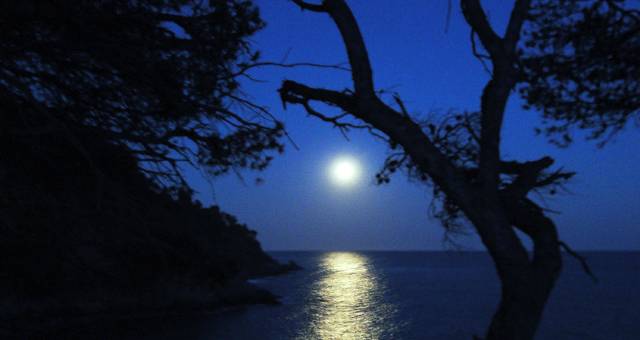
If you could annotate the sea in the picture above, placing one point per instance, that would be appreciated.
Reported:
(403, 295)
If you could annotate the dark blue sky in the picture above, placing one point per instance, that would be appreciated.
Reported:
(299, 207)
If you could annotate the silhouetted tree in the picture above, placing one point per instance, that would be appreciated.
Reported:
(460, 156)
(101, 104)
(156, 77)
(580, 66)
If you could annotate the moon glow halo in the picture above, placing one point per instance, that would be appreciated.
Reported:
(344, 171)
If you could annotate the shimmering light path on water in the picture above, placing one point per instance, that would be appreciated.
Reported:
(350, 300)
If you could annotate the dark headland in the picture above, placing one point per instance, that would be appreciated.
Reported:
(84, 233)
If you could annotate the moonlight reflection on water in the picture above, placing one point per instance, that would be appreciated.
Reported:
(351, 301)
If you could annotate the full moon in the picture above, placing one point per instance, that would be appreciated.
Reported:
(344, 171)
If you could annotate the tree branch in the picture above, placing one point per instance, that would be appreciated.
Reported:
(401, 131)
(244, 69)
(480, 57)
(296, 93)
(582, 260)
(518, 15)
(528, 176)
(498, 89)
(356, 50)
(312, 7)
(517, 168)
(554, 177)
(401, 104)
(469, 128)
(477, 19)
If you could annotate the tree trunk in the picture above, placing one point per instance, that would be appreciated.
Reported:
(526, 286)
(524, 296)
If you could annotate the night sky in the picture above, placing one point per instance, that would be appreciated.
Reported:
(300, 206)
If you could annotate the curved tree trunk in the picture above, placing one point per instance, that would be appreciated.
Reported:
(524, 296)
(526, 287)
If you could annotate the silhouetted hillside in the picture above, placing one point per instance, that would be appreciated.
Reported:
(83, 231)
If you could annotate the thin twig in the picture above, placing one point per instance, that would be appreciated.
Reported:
(244, 69)
(286, 55)
(399, 101)
(582, 260)
(478, 55)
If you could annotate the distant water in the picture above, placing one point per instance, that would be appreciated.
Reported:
(415, 295)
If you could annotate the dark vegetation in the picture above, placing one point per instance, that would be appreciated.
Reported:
(101, 103)
(72, 245)
(580, 67)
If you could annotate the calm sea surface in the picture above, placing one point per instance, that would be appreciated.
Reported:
(410, 295)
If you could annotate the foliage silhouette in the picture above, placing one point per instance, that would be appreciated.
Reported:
(138, 251)
(158, 77)
(102, 103)
(580, 68)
